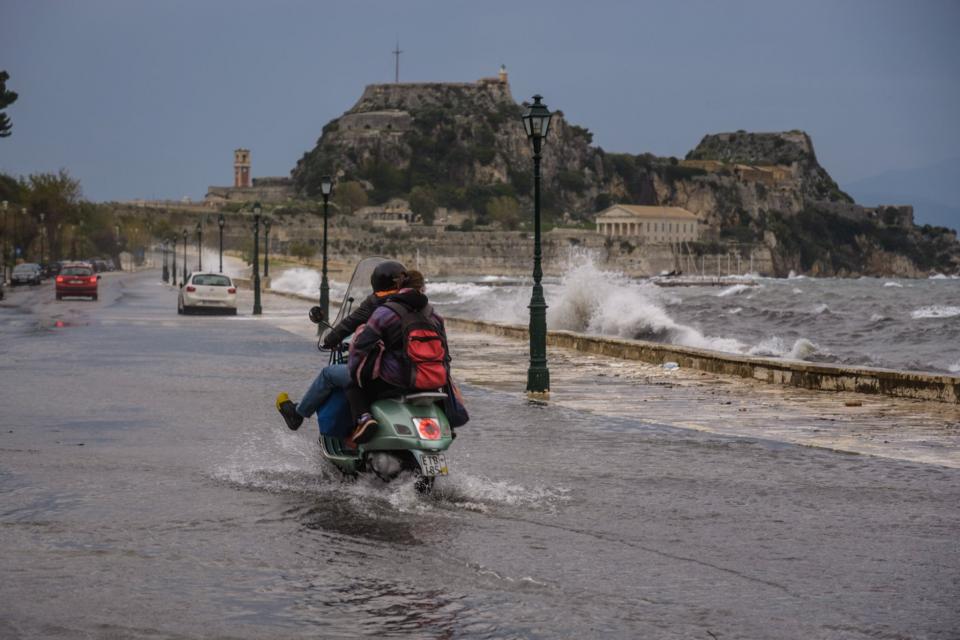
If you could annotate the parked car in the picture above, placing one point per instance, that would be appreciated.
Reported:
(207, 291)
(26, 273)
(52, 269)
(77, 280)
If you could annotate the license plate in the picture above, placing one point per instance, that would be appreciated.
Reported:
(434, 464)
(76, 282)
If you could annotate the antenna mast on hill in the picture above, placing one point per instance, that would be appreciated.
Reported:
(396, 72)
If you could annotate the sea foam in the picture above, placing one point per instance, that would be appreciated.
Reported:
(935, 311)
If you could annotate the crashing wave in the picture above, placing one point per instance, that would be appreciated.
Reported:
(935, 311)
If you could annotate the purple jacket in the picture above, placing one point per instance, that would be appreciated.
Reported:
(384, 326)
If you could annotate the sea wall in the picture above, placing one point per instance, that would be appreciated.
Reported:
(807, 375)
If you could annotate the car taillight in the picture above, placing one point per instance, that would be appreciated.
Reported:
(191, 289)
(232, 290)
(93, 279)
(59, 279)
(428, 428)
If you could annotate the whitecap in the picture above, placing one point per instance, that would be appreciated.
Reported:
(893, 284)
(306, 282)
(734, 290)
(955, 368)
(456, 292)
(797, 291)
(821, 308)
(935, 311)
(938, 276)
(735, 310)
(776, 347)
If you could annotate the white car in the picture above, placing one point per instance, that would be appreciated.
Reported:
(208, 291)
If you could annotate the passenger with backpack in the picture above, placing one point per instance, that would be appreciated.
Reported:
(385, 281)
(402, 348)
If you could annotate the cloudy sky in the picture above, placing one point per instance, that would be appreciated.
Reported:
(149, 99)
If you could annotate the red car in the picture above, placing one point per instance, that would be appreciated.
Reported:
(77, 280)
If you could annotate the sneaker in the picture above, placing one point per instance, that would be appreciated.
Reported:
(289, 411)
(366, 425)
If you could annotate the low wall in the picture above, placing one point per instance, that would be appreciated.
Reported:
(807, 375)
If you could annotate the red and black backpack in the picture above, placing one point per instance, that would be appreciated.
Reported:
(424, 350)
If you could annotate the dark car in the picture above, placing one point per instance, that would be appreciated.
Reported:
(26, 273)
(77, 279)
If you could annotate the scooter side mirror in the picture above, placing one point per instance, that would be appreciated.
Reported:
(316, 315)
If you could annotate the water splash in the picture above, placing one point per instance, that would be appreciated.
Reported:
(610, 303)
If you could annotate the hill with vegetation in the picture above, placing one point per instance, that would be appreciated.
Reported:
(461, 147)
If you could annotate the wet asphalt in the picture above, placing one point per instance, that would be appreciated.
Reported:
(148, 489)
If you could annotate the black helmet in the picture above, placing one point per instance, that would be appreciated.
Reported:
(387, 275)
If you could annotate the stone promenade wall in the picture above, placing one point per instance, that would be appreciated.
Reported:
(808, 375)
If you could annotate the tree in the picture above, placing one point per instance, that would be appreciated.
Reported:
(505, 210)
(350, 196)
(301, 250)
(56, 196)
(423, 203)
(6, 99)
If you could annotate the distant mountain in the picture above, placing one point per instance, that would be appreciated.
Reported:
(933, 190)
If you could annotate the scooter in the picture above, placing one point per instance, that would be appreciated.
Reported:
(412, 433)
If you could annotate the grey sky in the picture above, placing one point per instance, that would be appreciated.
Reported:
(149, 99)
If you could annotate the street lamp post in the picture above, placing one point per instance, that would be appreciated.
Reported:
(257, 309)
(183, 278)
(326, 188)
(173, 262)
(5, 257)
(199, 247)
(166, 254)
(536, 122)
(266, 247)
(220, 223)
(42, 229)
(18, 247)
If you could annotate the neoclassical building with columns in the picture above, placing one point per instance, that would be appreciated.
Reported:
(654, 225)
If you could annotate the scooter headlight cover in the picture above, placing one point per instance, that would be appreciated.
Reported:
(428, 428)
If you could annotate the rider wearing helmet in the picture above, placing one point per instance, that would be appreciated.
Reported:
(385, 281)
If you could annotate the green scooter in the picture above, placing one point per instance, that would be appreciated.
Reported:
(412, 433)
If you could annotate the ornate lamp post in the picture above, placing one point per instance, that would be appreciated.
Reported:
(183, 278)
(257, 309)
(326, 188)
(266, 247)
(220, 223)
(536, 122)
(5, 257)
(199, 247)
(42, 229)
(166, 254)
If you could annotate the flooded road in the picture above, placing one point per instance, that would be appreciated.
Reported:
(148, 489)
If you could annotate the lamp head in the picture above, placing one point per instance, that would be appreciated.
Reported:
(221, 221)
(536, 119)
(326, 186)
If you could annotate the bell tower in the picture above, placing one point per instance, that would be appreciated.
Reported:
(241, 168)
(502, 76)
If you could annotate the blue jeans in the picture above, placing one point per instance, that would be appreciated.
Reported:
(334, 376)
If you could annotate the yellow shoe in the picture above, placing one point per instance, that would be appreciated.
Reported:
(289, 411)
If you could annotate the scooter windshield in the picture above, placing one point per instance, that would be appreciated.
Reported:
(359, 287)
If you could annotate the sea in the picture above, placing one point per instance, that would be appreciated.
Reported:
(891, 323)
